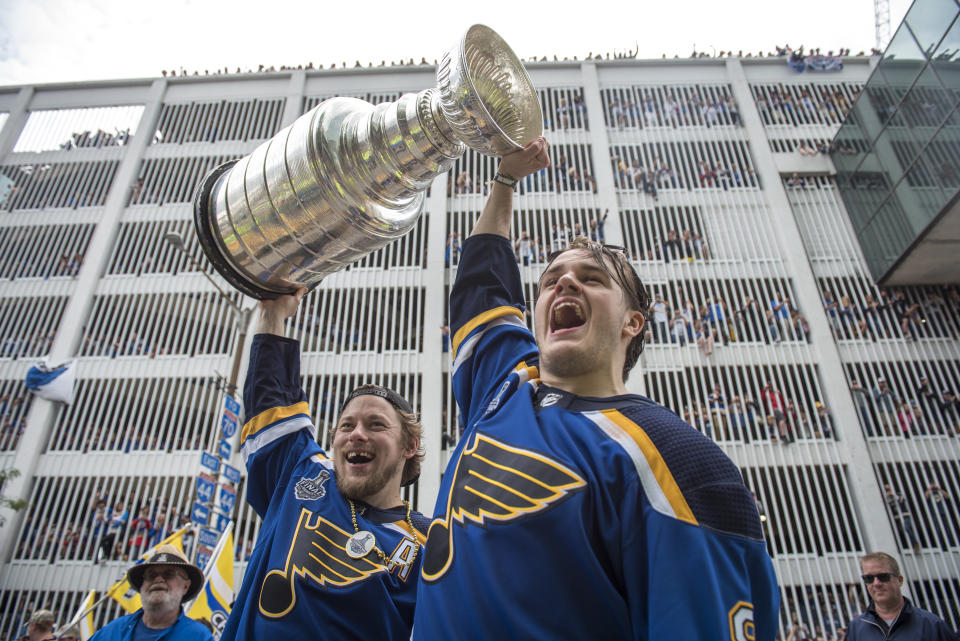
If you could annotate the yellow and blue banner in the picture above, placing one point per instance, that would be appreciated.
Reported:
(83, 619)
(214, 601)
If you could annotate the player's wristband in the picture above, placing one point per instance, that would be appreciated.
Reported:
(504, 179)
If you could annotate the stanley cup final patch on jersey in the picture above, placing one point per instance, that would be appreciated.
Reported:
(495, 483)
(318, 553)
(312, 489)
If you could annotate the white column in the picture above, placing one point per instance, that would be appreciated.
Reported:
(431, 386)
(293, 107)
(606, 197)
(70, 332)
(869, 503)
(16, 119)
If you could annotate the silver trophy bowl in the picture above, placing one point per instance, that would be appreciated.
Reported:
(346, 178)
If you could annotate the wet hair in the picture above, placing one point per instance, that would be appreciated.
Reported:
(410, 426)
(638, 298)
(882, 557)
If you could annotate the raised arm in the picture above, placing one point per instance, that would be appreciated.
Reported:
(278, 428)
(496, 215)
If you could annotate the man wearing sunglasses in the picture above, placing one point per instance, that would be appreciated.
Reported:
(890, 615)
(572, 509)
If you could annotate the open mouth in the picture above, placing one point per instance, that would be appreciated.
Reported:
(566, 315)
(359, 457)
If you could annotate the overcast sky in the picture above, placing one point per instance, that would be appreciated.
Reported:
(63, 40)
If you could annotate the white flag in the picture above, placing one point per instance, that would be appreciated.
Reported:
(83, 619)
(54, 383)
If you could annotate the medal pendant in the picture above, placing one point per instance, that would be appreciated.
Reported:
(360, 544)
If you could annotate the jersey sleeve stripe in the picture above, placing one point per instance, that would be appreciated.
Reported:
(466, 350)
(278, 430)
(658, 483)
(480, 319)
(401, 527)
(526, 373)
(269, 417)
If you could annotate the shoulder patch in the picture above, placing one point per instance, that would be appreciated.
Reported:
(312, 489)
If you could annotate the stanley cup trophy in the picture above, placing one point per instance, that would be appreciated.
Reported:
(346, 178)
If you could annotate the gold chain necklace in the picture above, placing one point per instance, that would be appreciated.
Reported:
(361, 543)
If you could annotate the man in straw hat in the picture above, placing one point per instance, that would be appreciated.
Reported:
(165, 581)
(338, 554)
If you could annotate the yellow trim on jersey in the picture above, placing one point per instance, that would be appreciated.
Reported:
(480, 319)
(271, 416)
(526, 373)
(417, 534)
(657, 465)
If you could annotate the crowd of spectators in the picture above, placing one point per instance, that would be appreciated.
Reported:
(131, 440)
(771, 416)
(38, 344)
(922, 411)
(778, 106)
(693, 109)
(13, 418)
(563, 175)
(820, 147)
(530, 249)
(940, 526)
(658, 174)
(783, 52)
(572, 114)
(132, 345)
(712, 322)
(107, 530)
(891, 314)
(68, 264)
(411, 62)
(819, 613)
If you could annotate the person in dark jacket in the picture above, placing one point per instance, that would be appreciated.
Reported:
(890, 616)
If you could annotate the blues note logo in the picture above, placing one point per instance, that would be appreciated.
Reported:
(494, 483)
(318, 553)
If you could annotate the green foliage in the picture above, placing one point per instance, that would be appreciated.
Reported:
(18, 504)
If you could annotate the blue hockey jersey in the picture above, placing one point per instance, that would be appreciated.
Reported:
(563, 517)
(300, 583)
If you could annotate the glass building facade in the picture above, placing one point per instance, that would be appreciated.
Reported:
(897, 154)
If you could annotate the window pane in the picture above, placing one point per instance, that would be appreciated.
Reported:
(929, 19)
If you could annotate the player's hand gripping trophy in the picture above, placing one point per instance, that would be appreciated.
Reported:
(346, 178)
